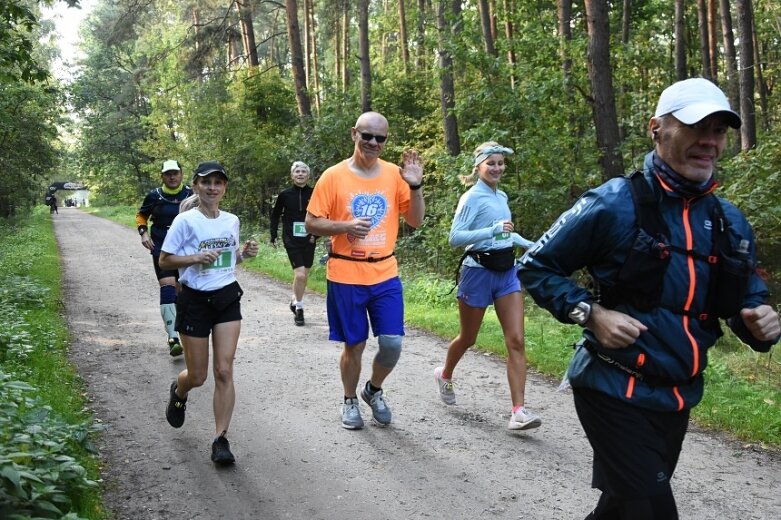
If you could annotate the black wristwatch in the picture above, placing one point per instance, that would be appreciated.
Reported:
(580, 313)
(141, 230)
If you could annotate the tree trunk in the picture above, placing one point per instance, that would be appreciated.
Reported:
(565, 38)
(492, 17)
(605, 118)
(748, 130)
(248, 32)
(626, 17)
(702, 18)
(297, 61)
(447, 87)
(420, 38)
(315, 65)
(509, 9)
(730, 56)
(403, 37)
(730, 63)
(713, 40)
(307, 50)
(384, 36)
(346, 46)
(337, 51)
(485, 24)
(761, 85)
(363, 51)
(680, 40)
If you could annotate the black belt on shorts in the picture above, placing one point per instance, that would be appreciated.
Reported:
(371, 259)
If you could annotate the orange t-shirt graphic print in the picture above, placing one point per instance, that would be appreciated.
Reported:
(342, 195)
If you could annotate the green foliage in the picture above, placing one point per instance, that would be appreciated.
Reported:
(17, 34)
(28, 115)
(38, 475)
(46, 466)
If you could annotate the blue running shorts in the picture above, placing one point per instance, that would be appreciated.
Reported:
(352, 307)
(479, 287)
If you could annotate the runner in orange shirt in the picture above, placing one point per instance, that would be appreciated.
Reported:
(358, 203)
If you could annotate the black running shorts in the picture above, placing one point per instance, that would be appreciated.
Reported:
(197, 312)
(301, 256)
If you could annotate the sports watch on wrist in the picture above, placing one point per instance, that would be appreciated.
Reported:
(141, 230)
(580, 313)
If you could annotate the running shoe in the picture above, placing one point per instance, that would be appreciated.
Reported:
(380, 410)
(174, 347)
(299, 319)
(176, 407)
(445, 387)
(292, 307)
(523, 419)
(221, 451)
(351, 415)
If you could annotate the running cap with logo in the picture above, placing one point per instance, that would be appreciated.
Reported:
(169, 166)
(209, 167)
(692, 100)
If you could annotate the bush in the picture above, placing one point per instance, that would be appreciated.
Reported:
(38, 476)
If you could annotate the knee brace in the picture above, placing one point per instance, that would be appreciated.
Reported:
(390, 350)
(167, 294)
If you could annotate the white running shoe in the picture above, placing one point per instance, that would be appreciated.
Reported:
(351, 415)
(444, 387)
(523, 419)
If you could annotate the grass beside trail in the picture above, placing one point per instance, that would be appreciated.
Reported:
(46, 464)
(743, 388)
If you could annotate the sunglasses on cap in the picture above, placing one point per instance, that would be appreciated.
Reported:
(368, 137)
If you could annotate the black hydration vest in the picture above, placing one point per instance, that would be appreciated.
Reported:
(640, 279)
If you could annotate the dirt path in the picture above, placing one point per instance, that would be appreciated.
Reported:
(294, 461)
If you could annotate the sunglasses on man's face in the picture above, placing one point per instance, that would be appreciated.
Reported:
(368, 137)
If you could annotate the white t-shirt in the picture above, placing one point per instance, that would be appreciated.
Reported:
(190, 233)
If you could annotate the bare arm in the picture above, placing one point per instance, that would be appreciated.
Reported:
(321, 226)
(169, 261)
(412, 173)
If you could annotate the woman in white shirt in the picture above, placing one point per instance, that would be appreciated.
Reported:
(203, 244)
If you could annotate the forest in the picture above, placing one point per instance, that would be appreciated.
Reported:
(258, 84)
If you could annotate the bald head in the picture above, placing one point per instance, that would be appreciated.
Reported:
(371, 119)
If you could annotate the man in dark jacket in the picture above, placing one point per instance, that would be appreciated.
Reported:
(160, 206)
(668, 260)
(300, 245)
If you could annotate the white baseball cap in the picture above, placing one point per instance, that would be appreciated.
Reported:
(170, 166)
(692, 100)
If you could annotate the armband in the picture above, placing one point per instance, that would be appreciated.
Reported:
(141, 230)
